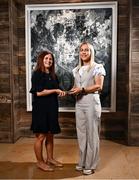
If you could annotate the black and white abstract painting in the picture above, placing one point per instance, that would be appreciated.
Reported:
(60, 28)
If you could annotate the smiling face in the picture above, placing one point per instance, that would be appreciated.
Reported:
(85, 54)
(47, 61)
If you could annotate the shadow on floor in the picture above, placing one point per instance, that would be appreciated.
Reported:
(28, 170)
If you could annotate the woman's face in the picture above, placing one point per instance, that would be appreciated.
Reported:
(85, 53)
(48, 61)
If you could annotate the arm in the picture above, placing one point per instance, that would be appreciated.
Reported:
(97, 86)
(90, 89)
(38, 90)
(46, 92)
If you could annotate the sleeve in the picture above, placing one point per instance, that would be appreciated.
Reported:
(99, 70)
(36, 85)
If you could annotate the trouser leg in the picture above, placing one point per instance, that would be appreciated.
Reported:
(93, 126)
(81, 135)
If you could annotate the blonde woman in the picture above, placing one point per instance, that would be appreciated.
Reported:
(88, 82)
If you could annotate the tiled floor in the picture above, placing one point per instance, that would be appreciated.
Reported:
(17, 161)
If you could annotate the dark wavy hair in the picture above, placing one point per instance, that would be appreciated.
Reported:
(40, 65)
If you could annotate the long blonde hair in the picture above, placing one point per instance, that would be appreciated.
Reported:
(90, 46)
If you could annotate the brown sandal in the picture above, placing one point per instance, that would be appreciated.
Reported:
(55, 163)
(45, 167)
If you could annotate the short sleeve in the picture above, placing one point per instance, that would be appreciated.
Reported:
(35, 81)
(99, 70)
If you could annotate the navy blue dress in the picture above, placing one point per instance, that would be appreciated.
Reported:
(44, 108)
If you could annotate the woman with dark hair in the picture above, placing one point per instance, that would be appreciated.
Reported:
(45, 91)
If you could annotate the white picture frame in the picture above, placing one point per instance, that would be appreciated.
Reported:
(60, 28)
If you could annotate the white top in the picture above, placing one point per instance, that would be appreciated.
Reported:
(83, 69)
(98, 70)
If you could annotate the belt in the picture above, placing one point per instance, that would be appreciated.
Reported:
(96, 92)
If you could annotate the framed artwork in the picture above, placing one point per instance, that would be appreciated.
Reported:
(60, 28)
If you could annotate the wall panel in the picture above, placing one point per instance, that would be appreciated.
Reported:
(12, 53)
(113, 125)
(133, 116)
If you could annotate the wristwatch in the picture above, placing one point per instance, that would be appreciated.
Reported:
(83, 90)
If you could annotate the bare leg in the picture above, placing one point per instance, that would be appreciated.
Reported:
(38, 149)
(49, 146)
(49, 143)
(38, 146)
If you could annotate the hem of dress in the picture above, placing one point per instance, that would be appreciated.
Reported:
(46, 132)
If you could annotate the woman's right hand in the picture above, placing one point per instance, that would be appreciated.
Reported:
(60, 92)
(75, 90)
